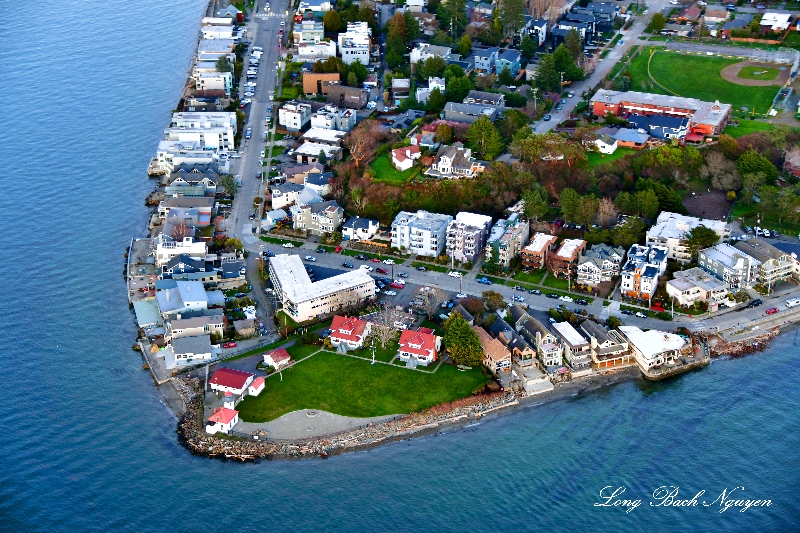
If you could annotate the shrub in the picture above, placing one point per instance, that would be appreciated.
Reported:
(663, 315)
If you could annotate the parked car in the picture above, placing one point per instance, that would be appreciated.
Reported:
(627, 312)
(338, 249)
(361, 257)
(485, 281)
(390, 293)
(566, 299)
(397, 285)
(248, 133)
(640, 314)
(229, 345)
(422, 269)
(550, 295)
(547, 117)
(347, 265)
(519, 288)
(311, 258)
(535, 291)
(454, 274)
(582, 302)
(402, 275)
(367, 268)
(287, 245)
(772, 310)
(519, 299)
(563, 100)
(461, 295)
(388, 261)
(375, 260)
(321, 250)
(381, 271)
(551, 320)
(267, 253)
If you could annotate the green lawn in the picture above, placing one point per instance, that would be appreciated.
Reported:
(698, 77)
(353, 253)
(386, 172)
(430, 266)
(381, 354)
(750, 214)
(596, 158)
(353, 387)
(496, 281)
(275, 240)
(746, 127)
(534, 277)
(301, 351)
(556, 283)
(758, 73)
(290, 93)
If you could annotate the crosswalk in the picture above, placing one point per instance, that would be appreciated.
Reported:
(697, 325)
(267, 15)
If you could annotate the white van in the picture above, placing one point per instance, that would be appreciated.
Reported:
(792, 302)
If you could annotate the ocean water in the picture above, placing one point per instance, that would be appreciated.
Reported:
(87, 444)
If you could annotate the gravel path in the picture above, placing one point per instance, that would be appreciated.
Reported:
(308, 423)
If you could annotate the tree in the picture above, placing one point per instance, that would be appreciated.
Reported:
(625, 203)
(699, 238)
(569, 204)
(628, 233)
(394, 58)
(453, 71)
(413, 30)
(444, 133)
(505, 77)
(512, 122)
(436, 101)
(750, 184)
(359, 199)
(181, 231)
(227, 182)
(657, 23)
(322, 158)
(527, 49)
(586, 210)
(362, 140)
(457, 89)
(223, 64)
(512, 16)
(606, 212)
(485, 82)
(535, 203)
(382, 328)
(332, 21)
(574, 44)
(484, 138)
(433, 67)
(721, 171)
(648, 204)
(613, 322)
(352, 79)
(397, 27)
(462, 342)
(751, 162)
(563, 62)
(464, 45)
(729, 147)
(455, 11)
(547, 77)
(431, 299)
(493, 300)
(359, 70)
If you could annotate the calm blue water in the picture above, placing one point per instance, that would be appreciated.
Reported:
(87, 445)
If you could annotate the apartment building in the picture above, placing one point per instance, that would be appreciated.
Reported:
(563, 262)
(308, 31)
(600, 263)
(731, 265)
(697, 285)
(355, 43)
(318, 218)
(213, 130)
(643, 268)
(466, 236)
(294, 116)
(506, 240)
(421, 233)
(536, 253)
(331, 117)
(774, 265)
(670, 230)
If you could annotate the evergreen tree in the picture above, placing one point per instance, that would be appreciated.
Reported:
(547, 77)
(465, 45)
(484, 138)
(574, 44)
(512, 16)
(332, 21)
(457, 89)
(436, 101)
(462, 342)
(563, 62)
(223, 64)
(569, 204)
(505, 77)
(527, 48)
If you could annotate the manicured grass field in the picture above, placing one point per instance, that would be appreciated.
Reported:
(386, 172)
(698, 77)
(301, 351)
(556, 283)
(746, 127)
(381, 354)
(353, 387)
(534, 277)
(596, 158)
(758, 73)
(275, 240)
(353, 253)
(435, 268)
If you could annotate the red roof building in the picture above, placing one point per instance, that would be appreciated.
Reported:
(419, 347)
(348, 332)
(256, 386)
(278, 358)
(222, 420)
(228, 379)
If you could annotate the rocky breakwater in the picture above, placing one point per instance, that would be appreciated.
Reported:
(719, 346)
(191, 431)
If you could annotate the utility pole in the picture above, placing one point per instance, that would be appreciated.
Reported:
(534, 91)
(561, 85)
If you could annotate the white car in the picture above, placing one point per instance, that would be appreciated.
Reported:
(388, 261)
(454, 274)
(401, 325)
(287, 245)
(390, 293)
(519, 299)
(249, 93)
(461, 295)
(366, 267)
(399, 282)
(311, 258)
(674, 2)
(283, 23)
(234, 155)
(566, 299)
(262, 154)
(246, 101)
(640, 314)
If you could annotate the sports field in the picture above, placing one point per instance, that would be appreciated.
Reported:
(698, 77)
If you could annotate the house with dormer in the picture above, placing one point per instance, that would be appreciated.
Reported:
(348, 332)
(419, 347)
(453, 162)
(522, 352)
(547, 346)
(496, 356)
(600, 263)
(643, 268)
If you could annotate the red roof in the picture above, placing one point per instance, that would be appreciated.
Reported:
(258, 382)
(279, 354)
(228, 377)
(223, 416)
(405, 152)
(418, 343)
(348, 328)
(694, 137)
(425, 330)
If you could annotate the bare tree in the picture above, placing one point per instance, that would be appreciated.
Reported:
(606, 212)
(362, 140)
(431, 298)
(382, 328)
(180, 231)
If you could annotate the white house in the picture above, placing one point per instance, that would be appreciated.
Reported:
(354, 44)
(416, 6)
(222, 421)
(420, 233)
(697, 285)
(294, 116)
(358, 228)
(577, 350)
(453, 162)
(605, 144)
(776, 21)
(653, 348)
(217, 32)
(601, 263)
(255, 388)
(165, 248)
(277, 358)
(184, 296)
(424, 50)
(230, 380)
(403, 158)
(314, 51)
(348, 332)
(190, 350)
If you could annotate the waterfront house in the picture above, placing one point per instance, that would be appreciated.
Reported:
(419, 348)
(522, 352)
(230, 380)
(348, 333)
(652, 349)
(165, 249)
(577, 350)
(181, 297)
(222, 421)
(277, 358)
(496, 357)
(607, 351)
(547, 346)
(189, 351)
(697, 285)
(194, 326)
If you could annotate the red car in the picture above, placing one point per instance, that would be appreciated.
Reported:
(375, 260)
(229, 345)
(772, 311)
(397, 285)
(381, 271)
(338, 249)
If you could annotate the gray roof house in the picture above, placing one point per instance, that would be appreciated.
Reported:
(483, 97)
(484, 59)
(454, 161)
(358, 228)
(601, 263)
(318, 217)
(469, 113)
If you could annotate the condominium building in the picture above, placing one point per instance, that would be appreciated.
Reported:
(536, 253)
(774, 265)
(420, 233)
(506, 240)
(733, 266)
(600, 263)
(308, 31)
(641, 271)
(564, 262)
(354, 44)
(671, 229)
(577, 350)
(331, 117)
(165, 248)
(294, 116)
(697, 285)
(466, 236)
(305, 300)
(318, 218)
(213, 131)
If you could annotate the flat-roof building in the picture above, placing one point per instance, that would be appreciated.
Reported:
(733, 266)
(535, 254)
(466, 236)
(564, 261)
(506, 239)
(671, 230)
(420, 233)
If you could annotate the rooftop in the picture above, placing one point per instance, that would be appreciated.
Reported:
(570, 248)
(569, 335)
(697, 277)
(652, 343)
(539, 242)
(705, 112)
(728, 256)
(675, 226)
(229, 377)
(298, 287)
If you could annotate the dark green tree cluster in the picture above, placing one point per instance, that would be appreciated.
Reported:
(484, 139)
(548, 72)
(462, 342)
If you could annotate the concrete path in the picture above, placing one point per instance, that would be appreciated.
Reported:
(308, 423)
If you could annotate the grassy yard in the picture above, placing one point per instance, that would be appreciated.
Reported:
(353, 253)
(534, 277)
(381, 354)
(353, 387)
(290, 93)
(698, 77)
(556, 283)
(430, 266)
(275, 240)
(746, 127)
(596, 158)
(385, 171)
(758, 73)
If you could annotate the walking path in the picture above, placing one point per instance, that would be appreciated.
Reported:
(308, 423)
